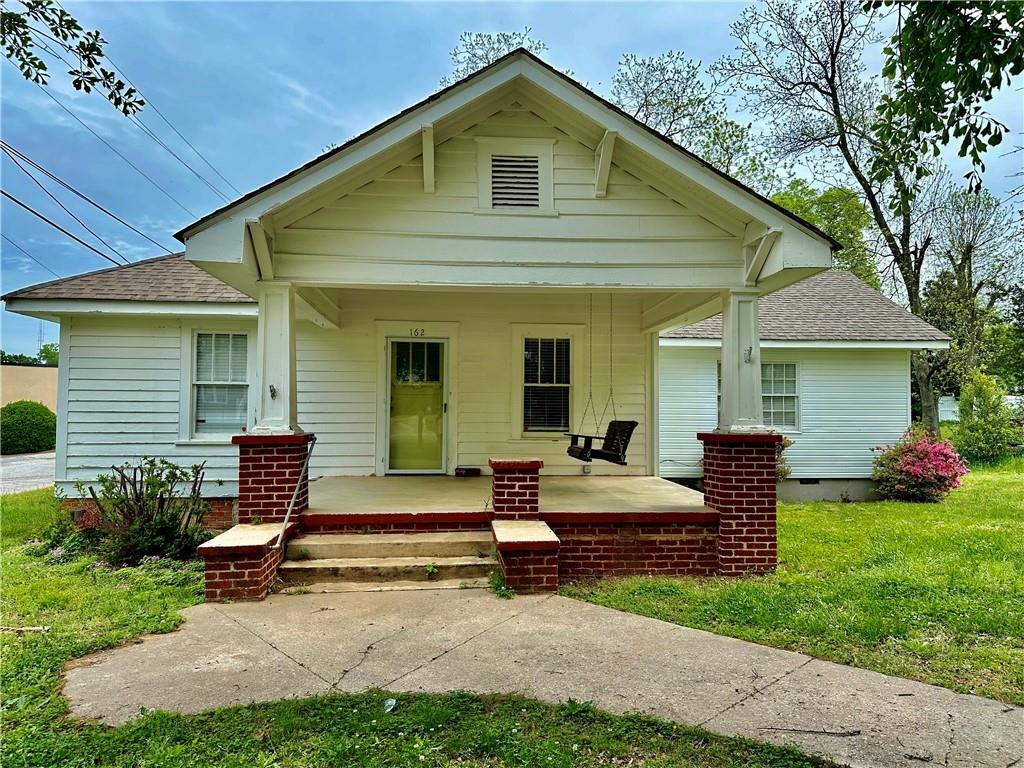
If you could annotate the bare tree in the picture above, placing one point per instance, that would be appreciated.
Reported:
(475, 50)
(802, 69)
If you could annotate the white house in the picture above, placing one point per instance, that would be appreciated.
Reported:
(835, 379)
(441, 293)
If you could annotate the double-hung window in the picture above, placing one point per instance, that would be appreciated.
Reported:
(220, 383)
(779, 398)
(547, 384)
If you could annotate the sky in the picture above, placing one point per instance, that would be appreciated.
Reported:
(261, 88)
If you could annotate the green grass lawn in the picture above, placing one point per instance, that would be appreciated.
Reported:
(89, 608)
(933, 592)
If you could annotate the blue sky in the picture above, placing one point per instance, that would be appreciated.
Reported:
(260, 88)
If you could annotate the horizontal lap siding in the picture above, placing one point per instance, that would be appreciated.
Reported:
(124, 385)
(850, 402)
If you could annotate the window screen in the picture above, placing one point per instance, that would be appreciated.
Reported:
(515, 181)
(221, 383)
(547, 381)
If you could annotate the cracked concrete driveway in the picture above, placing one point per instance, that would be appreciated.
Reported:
(26, 471)
(550, 648)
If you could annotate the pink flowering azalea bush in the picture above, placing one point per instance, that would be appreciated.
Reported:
(920, 467)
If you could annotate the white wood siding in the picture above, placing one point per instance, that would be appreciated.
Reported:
(850, 402)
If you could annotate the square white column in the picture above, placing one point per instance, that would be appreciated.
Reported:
(276, 405)
(741, 409)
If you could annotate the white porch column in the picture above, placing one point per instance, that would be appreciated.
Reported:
(741, 409)
(276, 410)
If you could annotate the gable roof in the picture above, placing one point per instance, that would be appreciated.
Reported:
(164, 278)
(438, 95)
(830, 306)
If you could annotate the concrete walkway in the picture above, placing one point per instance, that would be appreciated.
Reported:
(550, 648)
(26, 471)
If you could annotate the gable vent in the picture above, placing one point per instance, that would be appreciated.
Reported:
(515, 181)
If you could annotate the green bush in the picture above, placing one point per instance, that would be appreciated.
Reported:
(27, 427)
(986, 429)
(150, 509)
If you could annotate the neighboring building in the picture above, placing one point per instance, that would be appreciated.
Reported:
(835, 379)
(29, 382)
(442, 293)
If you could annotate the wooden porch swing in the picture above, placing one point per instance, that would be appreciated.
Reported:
(615, 440)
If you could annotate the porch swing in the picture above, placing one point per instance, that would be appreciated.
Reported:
(615, 440)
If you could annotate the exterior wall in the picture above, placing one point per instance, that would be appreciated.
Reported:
(128, 384)
(850, 401)
(29, 382)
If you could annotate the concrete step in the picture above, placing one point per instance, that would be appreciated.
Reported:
(385, 569)
(328, 587)
(350, 545)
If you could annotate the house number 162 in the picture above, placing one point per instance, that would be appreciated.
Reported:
(417, 332)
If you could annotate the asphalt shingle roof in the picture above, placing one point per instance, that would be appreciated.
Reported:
(830, 306)
(165, 278)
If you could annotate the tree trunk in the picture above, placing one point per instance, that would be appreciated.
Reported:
(926, 394)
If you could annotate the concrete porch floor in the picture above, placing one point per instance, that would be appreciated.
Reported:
(443, 493)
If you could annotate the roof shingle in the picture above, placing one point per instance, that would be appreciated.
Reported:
(165, 278)
(830, 306)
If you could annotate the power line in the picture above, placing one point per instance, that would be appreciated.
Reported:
(65, 208)
(29, 255)
(153, 106)
(58, 227)
(116, 152)
(82, 195)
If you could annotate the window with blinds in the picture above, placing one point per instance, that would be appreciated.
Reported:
(220, 384)
(547, 384)
(515, 181)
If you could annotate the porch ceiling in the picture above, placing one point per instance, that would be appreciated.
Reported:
(441, 493)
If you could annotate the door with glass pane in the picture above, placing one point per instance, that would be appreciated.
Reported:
(417, 406)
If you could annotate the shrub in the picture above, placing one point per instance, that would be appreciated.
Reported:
(150, 509)
(986, 429)
(919, 467)
(27, 427)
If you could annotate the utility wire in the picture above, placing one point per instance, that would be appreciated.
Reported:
(82, 195)
(109, 146)
(68, 211)
(37, 261)
(58, 227)
(191, 146)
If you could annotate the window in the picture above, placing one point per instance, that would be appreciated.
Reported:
(220, 384)
(779, 398)
(778, 394)
(515, 181)
(547, 384)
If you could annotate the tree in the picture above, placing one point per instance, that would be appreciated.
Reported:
(1007, 343)
(475, 50)
(17, 359)
(38, 28)
(802, 69)
(49, 353)
(840, 212)
(944, 62)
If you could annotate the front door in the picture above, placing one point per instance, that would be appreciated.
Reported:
(417, 406)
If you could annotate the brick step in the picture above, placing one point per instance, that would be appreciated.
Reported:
(365, 569)
(328, 587)
(350, 545)
(315, 520)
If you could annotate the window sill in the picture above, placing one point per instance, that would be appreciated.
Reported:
(548, 213)
(212, 440)
(551, 437)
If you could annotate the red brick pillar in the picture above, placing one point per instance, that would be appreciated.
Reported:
(515, 488)
(268, 469)
(739, 482)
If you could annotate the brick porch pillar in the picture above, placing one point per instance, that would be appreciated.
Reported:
(740, 482)
(269, 466)
(515, 488)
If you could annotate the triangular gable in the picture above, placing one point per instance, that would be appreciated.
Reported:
(681, 167)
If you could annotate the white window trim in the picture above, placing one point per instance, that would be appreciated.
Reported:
(786, 429)
(572, 331)
(187, 405)
(544, 149)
